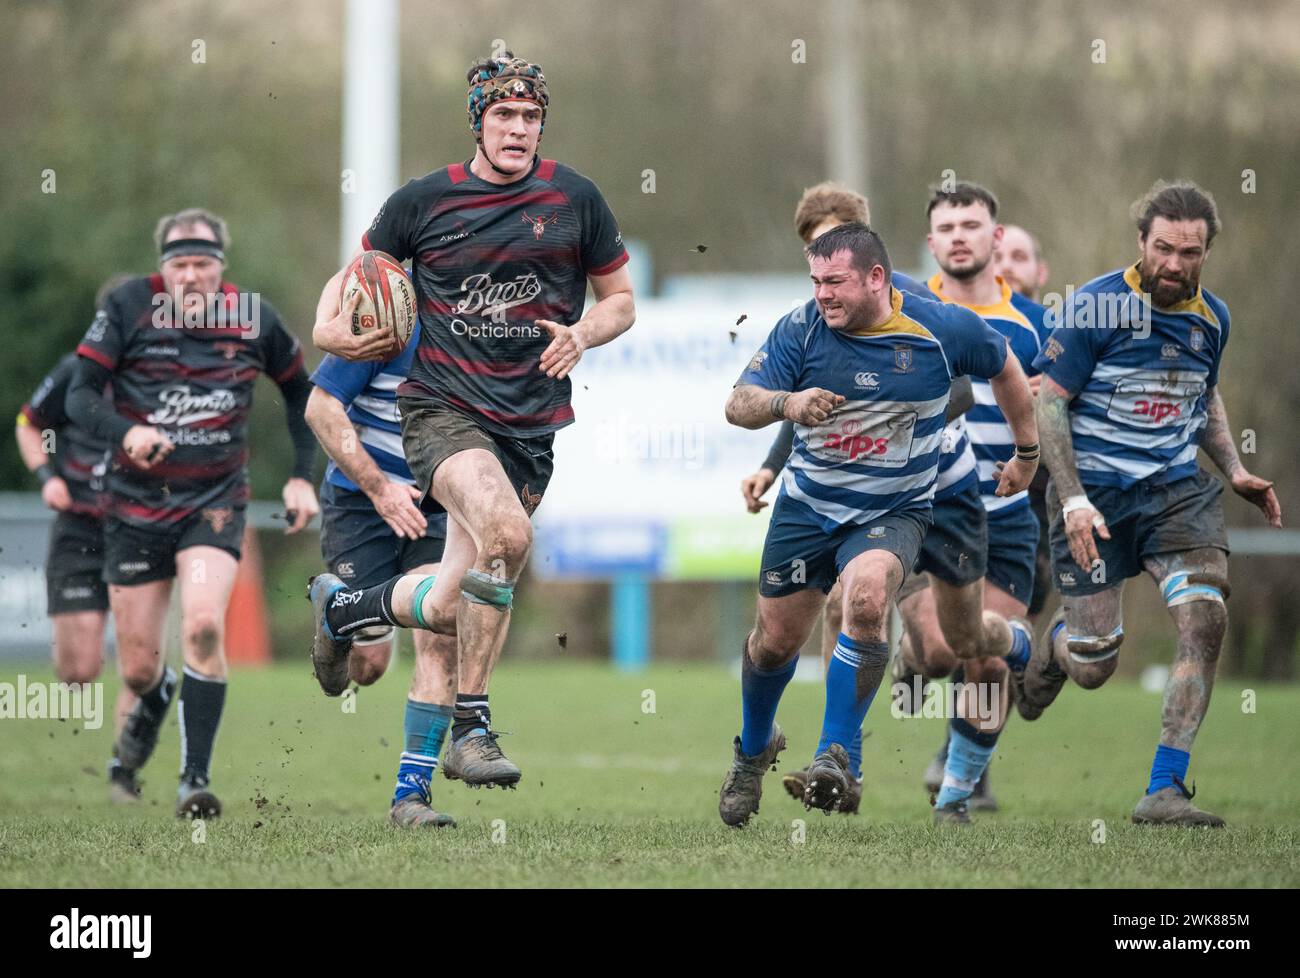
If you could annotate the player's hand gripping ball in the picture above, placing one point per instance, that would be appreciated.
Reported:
(386, 298)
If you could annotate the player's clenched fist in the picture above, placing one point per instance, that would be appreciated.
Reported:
(146, 445)
(811, 407)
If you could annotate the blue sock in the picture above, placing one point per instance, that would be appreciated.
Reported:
(1169, 763)
(1021, 646)
(425, 728)
(969, 753)
(845, 711)
(760, 692)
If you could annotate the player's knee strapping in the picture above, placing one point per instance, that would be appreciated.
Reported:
(1090, 649)
(373, 634)
(1181, 587)
(481, 588)
(422, 589)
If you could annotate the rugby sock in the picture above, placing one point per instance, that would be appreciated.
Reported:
(351, 609)
(152, 706)
(1169, 763)
(969, 753)
(852, 679)
(760, 692)
(1021, 646)
(425, 728)
(473, 716)
(201, 702)
(154, 703)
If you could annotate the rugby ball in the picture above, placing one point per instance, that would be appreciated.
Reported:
(387, 297)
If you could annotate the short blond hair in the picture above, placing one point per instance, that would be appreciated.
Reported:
(828, 201)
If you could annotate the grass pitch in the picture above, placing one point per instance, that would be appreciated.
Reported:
(616, 796)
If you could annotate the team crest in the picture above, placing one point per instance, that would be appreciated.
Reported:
(757, 362)
(1197, 339)
(218, 518)
(530, 500)
(539, 223)
(902, 359)
(1053, 349)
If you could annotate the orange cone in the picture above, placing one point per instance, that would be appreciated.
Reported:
(248, 639)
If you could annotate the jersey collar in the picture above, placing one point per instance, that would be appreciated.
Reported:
(1000, 308)
(890, 325)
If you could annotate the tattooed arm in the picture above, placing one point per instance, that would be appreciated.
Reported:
(750, 406)
(1218, 443)
(1053, 413)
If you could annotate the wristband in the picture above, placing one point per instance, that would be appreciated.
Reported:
(1027, 453)
(45, 472)
(1080, 502)
(777, 406)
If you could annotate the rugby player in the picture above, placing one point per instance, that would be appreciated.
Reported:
(182, 349)
(1130, 393)
(822, 207)
(503, 248)
(864, 371)
(71, 465)
(372, 530)
(963, 236)
(1020, 262)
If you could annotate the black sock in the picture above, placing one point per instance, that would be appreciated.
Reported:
(154, 703)
(352, 609)
(472, 713)
(200, 709)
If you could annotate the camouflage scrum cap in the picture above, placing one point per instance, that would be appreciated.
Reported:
(500, 79)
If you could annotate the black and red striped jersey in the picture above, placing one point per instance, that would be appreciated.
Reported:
(487, 261)
(78, 456)
(196, 383)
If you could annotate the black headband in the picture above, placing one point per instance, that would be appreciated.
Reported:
(192, 246)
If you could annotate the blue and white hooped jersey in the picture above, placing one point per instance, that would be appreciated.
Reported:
(1139, 375)
(368, 389)
(879, 451)
(956, 460)
(1020, 320)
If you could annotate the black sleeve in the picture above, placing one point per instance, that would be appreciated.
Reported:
(86, 406)
(395, 226)
(781, 448)
(602, 242)
(48, 407)
(295, 389)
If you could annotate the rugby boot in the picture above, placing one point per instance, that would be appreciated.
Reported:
(123, 786)
(1037, 686)
(794, 783)
(1172, 805)
(477, 760)
(139, 736)
(952, 814)
(415, 812)
(828, 780)
(329, 655)
(742, 788)
(194, 800)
